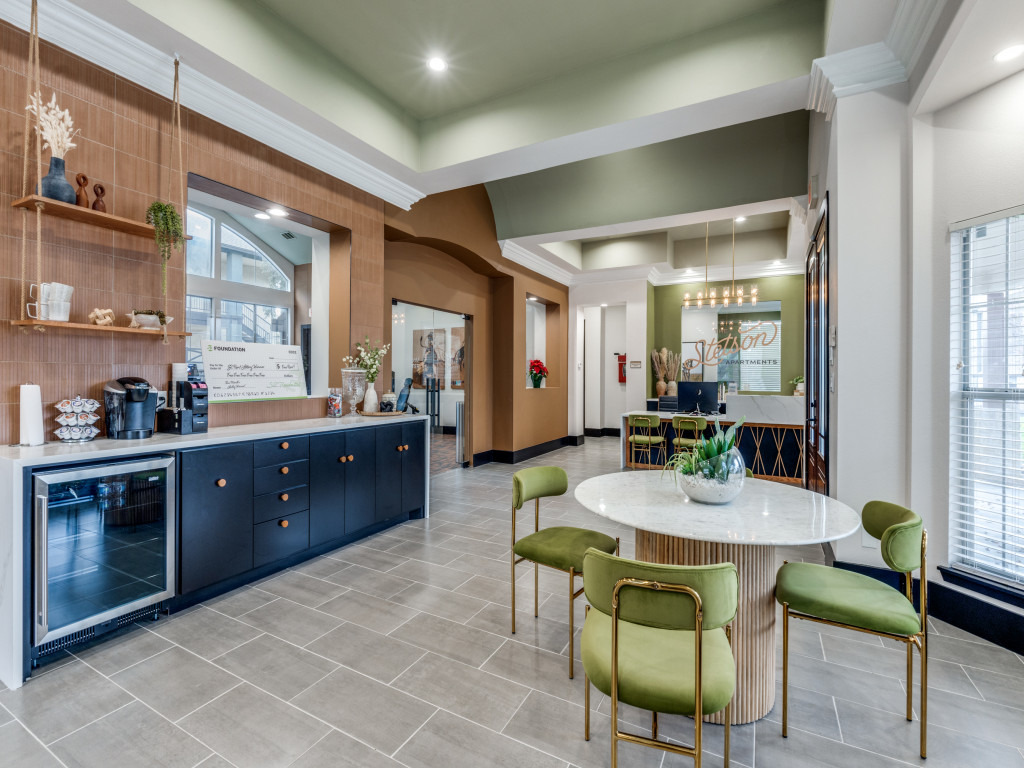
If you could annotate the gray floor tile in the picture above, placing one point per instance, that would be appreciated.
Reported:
(239, 601)
(215, 761)
(971, 654)
(472, 532)
(440, 602)
(808, 710)
(499, 591)
(370, 582)
(175, 682)
(205, 632)
(134, 735)
(302, 589)
(320, 567)
(128, 646)
(543, 633)
(999, 689)
(542, 670)
(336, 750)
(974, 717)
(456, 641)
(277, 667)
(63, 700)
(434, 575)
(843, 682)
(805, 750)
(21, 750)
(482, 566)
(368, 611)
(379, 656)
(290, 621)
(467, 546)
(368, 557)
(372, 712)
(252, 728)
(463, 690)
(453, 742)
(430, 553)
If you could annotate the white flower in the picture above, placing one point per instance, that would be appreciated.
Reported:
(53, 124)
(369, 359)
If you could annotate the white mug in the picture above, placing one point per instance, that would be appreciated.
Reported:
(44, 290)
(59, 310)
(38, 311)
(61, 292)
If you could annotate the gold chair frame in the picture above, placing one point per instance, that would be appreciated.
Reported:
(652, 430)
(919, 639)
(696, 430)
(698, 717)
(573, 592)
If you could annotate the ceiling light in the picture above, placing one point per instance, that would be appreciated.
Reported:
(531, 298)
(437, 64)
(1009, 53)
(740, 219)
(776, 263)
(277, 211)
(604, 305)
(262, 215)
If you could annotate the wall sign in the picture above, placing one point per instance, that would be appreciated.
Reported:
(763, 334)
(238, 371)
(634, 363)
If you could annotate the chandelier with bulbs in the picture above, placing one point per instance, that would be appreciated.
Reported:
(709, 297)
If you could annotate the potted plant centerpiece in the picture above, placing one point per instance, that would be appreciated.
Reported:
(369, 359)
(712, 472)
(538, 372)
(798, 385)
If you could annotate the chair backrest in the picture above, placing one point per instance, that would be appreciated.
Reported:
(533, 483)
(717, 585)
(899, 530)
(689, 424)
(645, 420)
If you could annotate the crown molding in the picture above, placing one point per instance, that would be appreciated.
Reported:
(526, 258)
(69, 27)
(851, 72)
(912, 25)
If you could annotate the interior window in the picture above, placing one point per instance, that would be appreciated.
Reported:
(199, 254)
(243, 262)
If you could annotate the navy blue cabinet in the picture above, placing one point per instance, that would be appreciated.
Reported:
(389, 472)
(414, 467)
(216, 514)
(360, 479)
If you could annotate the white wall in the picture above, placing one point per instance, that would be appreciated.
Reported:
(536, 337)
(614, 393)
(593, 373)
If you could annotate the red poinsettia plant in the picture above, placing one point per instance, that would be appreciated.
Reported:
(538, 372)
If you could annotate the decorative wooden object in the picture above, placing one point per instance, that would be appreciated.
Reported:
(753, 636)
(82, 194)
(99, 205)
(90, 327)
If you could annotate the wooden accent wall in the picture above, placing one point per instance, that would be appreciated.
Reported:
(125, 144)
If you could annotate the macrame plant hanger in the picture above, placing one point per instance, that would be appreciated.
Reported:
(32, 87)
(177, 142)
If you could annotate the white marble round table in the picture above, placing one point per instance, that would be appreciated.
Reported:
(670, 528)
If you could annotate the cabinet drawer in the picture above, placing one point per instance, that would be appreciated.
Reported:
(280, 503)
(280, 476)
(279, 538)
(280, 450)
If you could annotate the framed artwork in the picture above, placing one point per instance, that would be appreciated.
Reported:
(428, 357)
(457, 358)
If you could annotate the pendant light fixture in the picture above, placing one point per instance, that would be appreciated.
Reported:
(700, 296)
(730, 294)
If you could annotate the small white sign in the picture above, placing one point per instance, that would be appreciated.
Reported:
(236, 371)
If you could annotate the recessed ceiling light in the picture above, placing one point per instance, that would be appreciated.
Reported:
(688, 272)
(1009, 53)
(277, 211)
(740, 219)
(437, 64)
(776, 263)
(531, 298)
(604, 305)
(262, 215)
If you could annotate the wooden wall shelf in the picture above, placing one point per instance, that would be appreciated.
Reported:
(87, 327)
(85, 215)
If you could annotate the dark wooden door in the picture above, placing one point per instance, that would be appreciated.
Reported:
(360, 479)
(216, 514)
(328, 459)
(414, 466)
(816, 360)
(389, 471)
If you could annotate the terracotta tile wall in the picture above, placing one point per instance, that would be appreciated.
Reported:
(126, 145)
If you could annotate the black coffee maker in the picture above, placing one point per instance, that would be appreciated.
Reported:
(130, 405)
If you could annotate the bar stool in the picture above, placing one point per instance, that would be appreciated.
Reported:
(682, 424)
(644, 432)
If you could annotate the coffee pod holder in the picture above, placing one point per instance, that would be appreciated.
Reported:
(77, 419)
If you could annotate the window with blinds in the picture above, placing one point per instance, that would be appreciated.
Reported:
(986, 492)
(761, 361)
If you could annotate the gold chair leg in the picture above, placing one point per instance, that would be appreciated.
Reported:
(536, 589)
(617, 546)
(785, 668)
(615, 729)
(924, 694)
(728, 727)
(513, 592)
(910, 680)
(572, 622)
(586, 707)
(654, 725)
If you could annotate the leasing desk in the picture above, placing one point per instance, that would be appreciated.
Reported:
(771, 438)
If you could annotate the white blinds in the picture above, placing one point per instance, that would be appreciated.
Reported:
(986, 491)
(761, 363)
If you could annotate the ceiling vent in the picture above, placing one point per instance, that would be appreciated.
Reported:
(287, 235)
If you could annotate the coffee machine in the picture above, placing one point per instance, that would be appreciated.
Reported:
(130, 405)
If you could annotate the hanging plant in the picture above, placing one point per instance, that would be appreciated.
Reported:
(170, 233)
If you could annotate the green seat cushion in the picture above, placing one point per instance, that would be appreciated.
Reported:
(846, 597)
(645, 440)
(562, 547)
(681, 442)
(656, 666)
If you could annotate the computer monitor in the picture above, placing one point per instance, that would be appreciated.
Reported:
(700, 396)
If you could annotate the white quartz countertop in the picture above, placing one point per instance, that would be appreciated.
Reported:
(103, 448)
(764, 513)
(765, 409)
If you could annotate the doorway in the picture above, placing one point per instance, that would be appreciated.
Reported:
(430, 373)
(816, 363)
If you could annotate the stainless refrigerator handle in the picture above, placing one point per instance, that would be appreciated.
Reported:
(42, 567)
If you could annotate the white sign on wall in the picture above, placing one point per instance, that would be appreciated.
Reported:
(237, 371)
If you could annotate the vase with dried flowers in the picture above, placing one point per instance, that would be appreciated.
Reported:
(672, 373)
(659, 363)
(58, 132)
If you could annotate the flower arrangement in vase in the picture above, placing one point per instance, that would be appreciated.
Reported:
(369, 359)
(538, 372)
(712, 472)
(58, 132)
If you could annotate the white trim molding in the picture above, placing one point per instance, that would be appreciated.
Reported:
(67, 26)
(850, 72)
(516, 253)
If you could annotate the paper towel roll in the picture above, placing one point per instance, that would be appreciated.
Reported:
(31, 415)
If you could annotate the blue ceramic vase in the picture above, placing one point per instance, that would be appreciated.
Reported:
(54, 185)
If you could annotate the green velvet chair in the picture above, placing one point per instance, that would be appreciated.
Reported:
(561, 547)
(683, 425)
(644, 434)
(843, 598)
(749, 472)
(658, 637)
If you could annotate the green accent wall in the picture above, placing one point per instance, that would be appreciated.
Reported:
(789, 289)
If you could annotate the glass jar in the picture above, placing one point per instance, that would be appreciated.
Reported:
(353, 388)
(717, 480)
(335, 404)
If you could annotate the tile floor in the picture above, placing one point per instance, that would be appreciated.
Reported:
(395, 651)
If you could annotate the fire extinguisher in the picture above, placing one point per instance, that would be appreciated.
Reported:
(622, 368)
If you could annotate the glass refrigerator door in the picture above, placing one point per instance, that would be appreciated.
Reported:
(104, 543)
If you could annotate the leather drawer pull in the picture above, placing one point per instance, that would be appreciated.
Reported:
(284, 446)
(283, 523)
(343, 459)
(400, 448)
(284, 470)
(351, 457)
(221, 483)
(406, 447)
(284, 497)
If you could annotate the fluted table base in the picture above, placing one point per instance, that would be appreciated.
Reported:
(753, 636)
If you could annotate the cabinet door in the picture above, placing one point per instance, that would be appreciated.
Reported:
(360, 479)
(389, 471)
(414, 466)
(216, 514)
(327, 462)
